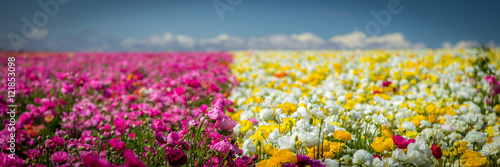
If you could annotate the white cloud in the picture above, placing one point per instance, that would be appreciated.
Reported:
(467, 44)
(306, 40)
(186, 41)
(359, 40)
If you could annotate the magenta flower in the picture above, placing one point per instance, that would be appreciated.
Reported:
(117, 144)
(50, 144)
(400, 142)
(159, 125)
(120, 124)
(174, 138)
(222, 147)
(59, 141)
(227, 124)
(59, 157)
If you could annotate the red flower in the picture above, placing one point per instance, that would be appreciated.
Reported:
(176, 158)
(436, 151)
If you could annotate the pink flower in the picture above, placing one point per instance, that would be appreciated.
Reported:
(204, 108)
(120, 124)
(222, 147)
(95, 161)
(400, 142)
(377, 156)
(59, 141)
(159, 125)
(117, 144)
(59, 157)
(215, 113)
(174, 138)
(227, 124)
(50, 144)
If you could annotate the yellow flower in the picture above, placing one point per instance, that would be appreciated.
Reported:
(284, 156)
(411, 134)
(497, 108)
(288, 108)
(490, 131)
(342, 135)
(348, 95)
(246, 125)
(462, 146)
(387, 132)
(382, 144)
(268, 163)
(336, 147)
(471, 158)
(269, 149)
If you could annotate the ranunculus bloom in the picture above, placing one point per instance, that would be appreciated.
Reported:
(49, 143)
(176, 158)
(215, 113)
(120, 124)
(436, 151)
(58, 140)
(227, 124)
(159, 125)
(222, 147)
(174, 138)
(400, 142)
(59, 157)
(117, 144)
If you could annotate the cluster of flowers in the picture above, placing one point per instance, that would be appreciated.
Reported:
(121, 109)
(368, 108)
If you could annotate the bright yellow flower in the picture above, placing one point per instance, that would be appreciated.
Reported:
(284, 156)
(246, 125)
(342, 135)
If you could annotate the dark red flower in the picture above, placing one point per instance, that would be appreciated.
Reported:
(176, 158)
(436, 151)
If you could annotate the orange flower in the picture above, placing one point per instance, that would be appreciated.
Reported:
(49, 118)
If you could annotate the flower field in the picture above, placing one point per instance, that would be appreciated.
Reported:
(254, 108)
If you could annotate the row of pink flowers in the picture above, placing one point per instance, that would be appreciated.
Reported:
(128, 109)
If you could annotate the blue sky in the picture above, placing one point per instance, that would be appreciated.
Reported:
(129, 25)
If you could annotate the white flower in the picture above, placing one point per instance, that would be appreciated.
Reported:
(424, 123)
(273, 136)
(448, 128)
(287, 142)
(390, 162)
(475, 137)
(302, 112)
(419, 153)
(248, 146)
(266, 114)
(381, 119)
(245, 115)
(378, 163)
(464, 110)
(308, 139)
(318, 113)
(490, 148)
(331, 163)
(399, 155)
(408, 125)
(362, 156)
